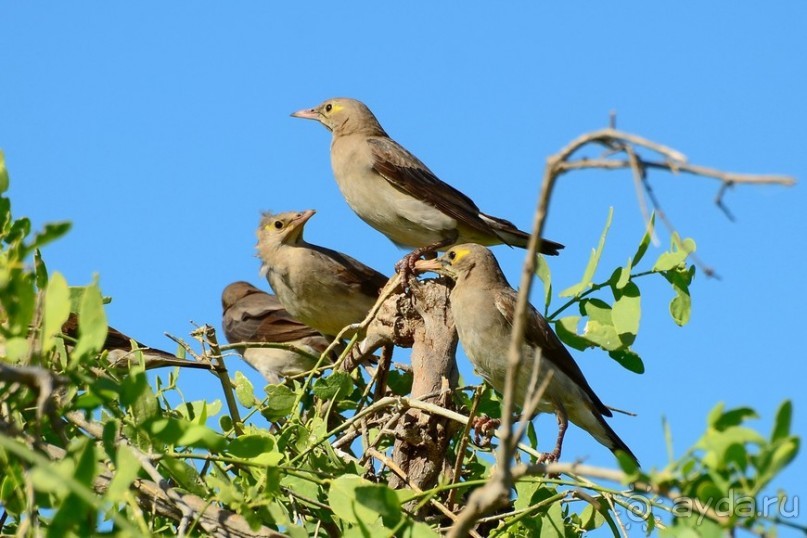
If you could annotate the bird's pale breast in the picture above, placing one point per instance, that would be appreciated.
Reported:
(406, 220)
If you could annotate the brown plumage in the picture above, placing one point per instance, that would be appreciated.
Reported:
(122, 355)
(323, 288)
(252, 315)
(394, 192)
(483, 304)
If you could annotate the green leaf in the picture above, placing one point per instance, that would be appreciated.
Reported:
(621, 276)
(566, 329)
(380, 499)
(5, 215)
(199, 411)
(16, 349)
(92, 321)
(525, 489)
(51, 232)
(593, 261)
(57, 308)
(301, 486)
(552, 525)
(545, 276)
(681, 307)
(592, 518)
(626, 312)
(226, 423)
(733, 417)
(675, 257)
(629, 359)
(185, 475)
(133, 386)
(244, 391)
(604, 336)
(597, 310)
(40, 271)
(261, 449)
(181, 433)
(3, 173)
(74, 509)
(334, 387)
(356, 500)
(716, 444)
(645, 242)
(781, 425)
(783, 454)
(279, 403)
(715, 413)
(419, 530)
(127, 466)
(399, 382)
(668, 438)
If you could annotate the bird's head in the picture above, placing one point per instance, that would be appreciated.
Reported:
(343, 116)
(462, 262)
(235, 292)
(283, 228)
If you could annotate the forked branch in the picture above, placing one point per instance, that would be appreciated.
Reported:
(498, 487)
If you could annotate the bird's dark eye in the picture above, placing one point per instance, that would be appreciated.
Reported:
(328, 107)
(451, 254)
(278, 224)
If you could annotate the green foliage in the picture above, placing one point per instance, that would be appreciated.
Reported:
(80, 440)
(610, 321)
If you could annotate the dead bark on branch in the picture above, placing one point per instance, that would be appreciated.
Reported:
(424, 323)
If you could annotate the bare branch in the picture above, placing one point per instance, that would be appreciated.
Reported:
(496, 490)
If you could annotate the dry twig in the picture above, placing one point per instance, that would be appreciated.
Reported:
(497, 489)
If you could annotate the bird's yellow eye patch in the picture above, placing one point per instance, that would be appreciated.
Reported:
(336, 108)
(456, 254)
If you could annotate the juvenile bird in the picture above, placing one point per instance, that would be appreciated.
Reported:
(395, 193)
(252, 315)
(483, 304)
(324, 289)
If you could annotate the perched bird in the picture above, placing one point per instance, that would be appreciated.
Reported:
(483, 304)
(252, 315)
(324, 289)
(121, 353)
(395, 193)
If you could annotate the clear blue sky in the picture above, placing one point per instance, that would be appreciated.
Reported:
(163, 130)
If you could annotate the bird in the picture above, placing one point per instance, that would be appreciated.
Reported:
(322, 288)
(395, 193)
(483, 305)
(252, 315)
(122, 349)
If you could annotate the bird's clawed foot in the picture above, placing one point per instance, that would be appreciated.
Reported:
(483, 427)
(550, 457)
(406, 266)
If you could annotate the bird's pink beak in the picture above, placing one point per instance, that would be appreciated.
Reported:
(428, 265)
(305, 215)
(306, 114)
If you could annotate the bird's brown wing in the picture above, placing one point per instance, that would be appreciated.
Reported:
(259, 317)
(539, 333)
(408, 174)
(353, 273)
(118, 341)
(114, 338)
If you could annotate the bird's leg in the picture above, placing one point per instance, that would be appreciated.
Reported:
(406, 266)
(563, 423)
